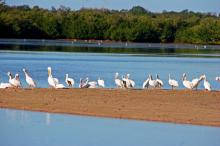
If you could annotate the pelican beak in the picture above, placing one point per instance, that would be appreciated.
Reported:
(49, 72)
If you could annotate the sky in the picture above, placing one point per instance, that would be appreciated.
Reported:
(152, 5)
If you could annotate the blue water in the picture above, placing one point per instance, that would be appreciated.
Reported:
(94, 65)
(23, 128)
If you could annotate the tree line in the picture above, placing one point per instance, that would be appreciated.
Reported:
(135, 25)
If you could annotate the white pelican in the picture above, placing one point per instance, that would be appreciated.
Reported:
(152, 83)
(217, 79)
(160, 82)
(29, 80)
(15, 82)
(60, 86)
(130, 83)
(92, 84)
(53, 82)
(146, 83)
(173, 83)
(196, 81)
(124, 81)
(69, 81)
(56, 81)
(118, 82)
(187, 83)
(85, 83)
(207, 85)
(101, 83)
(5, 85)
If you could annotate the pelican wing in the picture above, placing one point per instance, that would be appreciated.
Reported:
(207, 85)
(173, 83)
(131, 83)
(5, 85)
(146, 83)
(56, 81)
(101, 83)
(160, 82)
(119, 83)
(59, 86)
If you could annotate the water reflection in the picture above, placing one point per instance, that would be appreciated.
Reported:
(48, 120)
(31, 128)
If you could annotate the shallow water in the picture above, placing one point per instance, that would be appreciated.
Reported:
(94, 65)
(24, 128)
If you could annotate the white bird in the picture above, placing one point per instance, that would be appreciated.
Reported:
(60, 86)
(5, 85)
(101, 83)
(11, 79)
(173, 83)
(118, 82)
(195, 82)
(146, 83)
(92, 84)
(85, 83)
(53, 82)
(207, 85)
(69, 81)
(160, 82)
(56, 81)
(130, 82)
(152, 83)
(187, 83)
(124, 81)
(29, 80)
(15, 82)
(217, 79)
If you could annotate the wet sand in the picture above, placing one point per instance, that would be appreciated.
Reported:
(179, 106)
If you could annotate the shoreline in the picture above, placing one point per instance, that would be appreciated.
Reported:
(106, 44)
(172, 106)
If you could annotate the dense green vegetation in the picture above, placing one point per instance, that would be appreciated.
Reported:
(136, 25)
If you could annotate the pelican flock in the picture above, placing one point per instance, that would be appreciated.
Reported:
(124, 82)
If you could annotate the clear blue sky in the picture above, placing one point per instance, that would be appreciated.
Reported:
(152, 5)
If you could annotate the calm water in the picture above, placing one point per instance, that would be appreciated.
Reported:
(94, 65)
(23, 128)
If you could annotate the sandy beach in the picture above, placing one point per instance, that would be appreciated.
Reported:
(178, 106)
